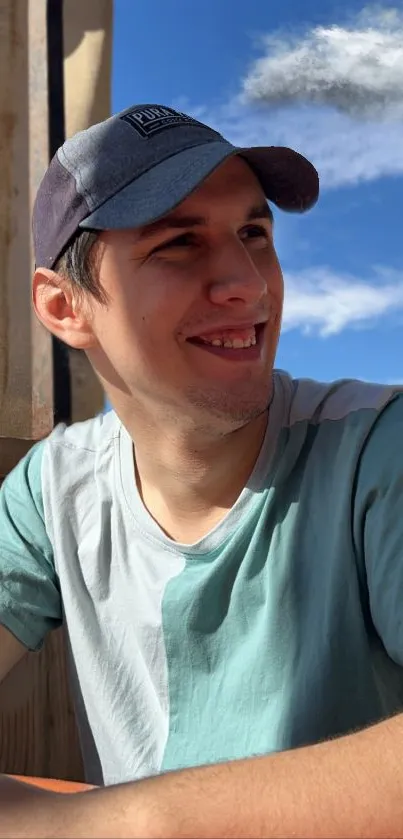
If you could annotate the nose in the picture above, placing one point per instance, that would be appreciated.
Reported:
(234, 277)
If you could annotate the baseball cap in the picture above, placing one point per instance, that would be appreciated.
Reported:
(138, 165)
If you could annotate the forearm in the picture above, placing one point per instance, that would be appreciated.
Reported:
(26, 811)
(351, 787)
(116, 812)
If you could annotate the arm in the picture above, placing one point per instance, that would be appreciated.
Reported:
(29, 599)
(30, 603)
(27, 811)
(350, 787)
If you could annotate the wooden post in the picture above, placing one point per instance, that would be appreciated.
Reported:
(37, 725)
(26, 403)
(87, 27)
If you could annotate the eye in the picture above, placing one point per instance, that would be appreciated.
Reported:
(255, 232)
(182, 241)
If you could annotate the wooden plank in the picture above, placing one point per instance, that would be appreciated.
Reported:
(38, 734)
(11, 452)
(37, 726)
(26, 409)
(88, 29)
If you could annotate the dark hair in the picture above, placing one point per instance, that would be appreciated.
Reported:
(78, 264)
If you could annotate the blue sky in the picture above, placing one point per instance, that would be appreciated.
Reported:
(327, 79)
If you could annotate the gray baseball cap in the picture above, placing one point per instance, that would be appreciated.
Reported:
(138, 165)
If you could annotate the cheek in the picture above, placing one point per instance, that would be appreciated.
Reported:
(138, 331)
(165, 305)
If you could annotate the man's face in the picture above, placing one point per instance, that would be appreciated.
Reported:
(193, 321)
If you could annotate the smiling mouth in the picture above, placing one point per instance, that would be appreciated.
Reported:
(237, 344)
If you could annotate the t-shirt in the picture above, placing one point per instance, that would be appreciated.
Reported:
(281, 627)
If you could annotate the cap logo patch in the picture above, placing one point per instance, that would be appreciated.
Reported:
(152, 120)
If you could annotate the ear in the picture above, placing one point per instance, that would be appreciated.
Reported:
(65, 315)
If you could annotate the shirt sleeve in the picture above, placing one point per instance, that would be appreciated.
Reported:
(378, 525)
(30, 601)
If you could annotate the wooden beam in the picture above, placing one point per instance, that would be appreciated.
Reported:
(38, 734)
(87, 31)
(11, 452)
(26, 402)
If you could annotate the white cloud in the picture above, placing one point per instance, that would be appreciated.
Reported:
(354, 73)
(356, 68)
(322, 302)
(346, 152)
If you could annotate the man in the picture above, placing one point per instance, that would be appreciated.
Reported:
(225, 547)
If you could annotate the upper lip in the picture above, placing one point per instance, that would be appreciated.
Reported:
(222, 327)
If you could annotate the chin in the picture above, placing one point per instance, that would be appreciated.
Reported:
(229, 405)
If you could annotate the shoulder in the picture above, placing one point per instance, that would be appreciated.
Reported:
(340, 430)
(65, 445)
(92, 436)
(381, 464)
(77, 460)
(348, 401)
(74, 450)
(21, 490)
(58, 466)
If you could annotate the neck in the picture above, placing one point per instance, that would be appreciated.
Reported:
(188, 484)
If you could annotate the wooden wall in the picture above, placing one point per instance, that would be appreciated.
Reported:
(37, 726)
(38, 734)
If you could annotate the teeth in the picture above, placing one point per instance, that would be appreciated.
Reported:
(232, 344)
(236, 344)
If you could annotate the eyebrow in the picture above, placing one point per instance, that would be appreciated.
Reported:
(173, 222)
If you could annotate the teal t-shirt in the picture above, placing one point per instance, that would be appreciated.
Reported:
(283, 626)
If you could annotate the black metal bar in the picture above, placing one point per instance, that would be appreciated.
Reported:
(56, 131)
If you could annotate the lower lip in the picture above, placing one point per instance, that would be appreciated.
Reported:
(252, 353)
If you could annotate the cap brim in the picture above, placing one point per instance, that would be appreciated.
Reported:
(287, 178)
